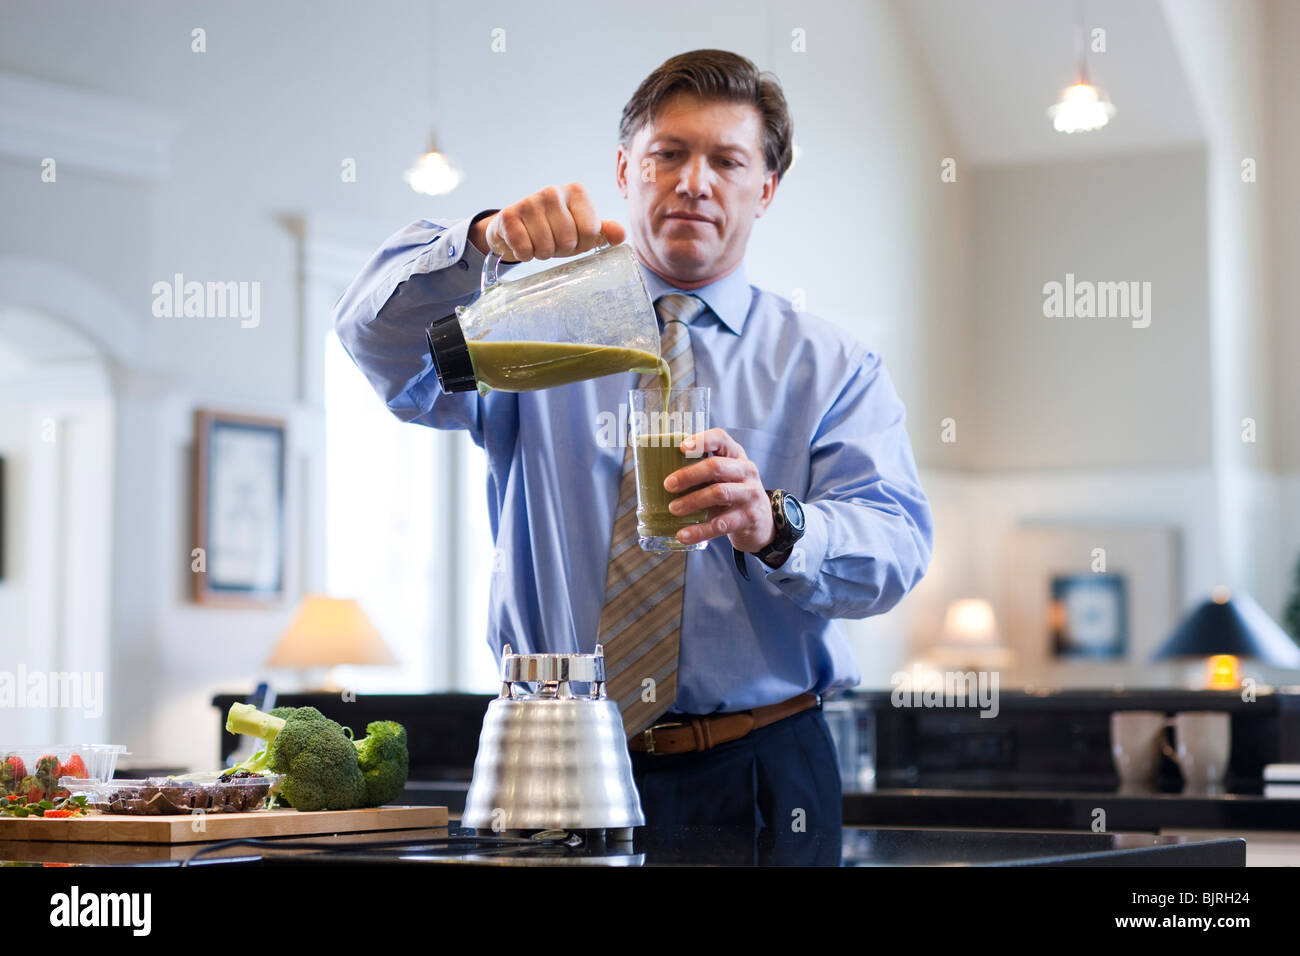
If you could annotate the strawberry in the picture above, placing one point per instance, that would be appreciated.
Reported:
(47, 765)
(33, 788)
(75, 767)
(12, 772)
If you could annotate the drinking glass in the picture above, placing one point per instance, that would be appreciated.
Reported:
(660, 419)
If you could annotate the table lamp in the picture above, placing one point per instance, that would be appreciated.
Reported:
(970, 638)
(329, 632)
(1224, 629)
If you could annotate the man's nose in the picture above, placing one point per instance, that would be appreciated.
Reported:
(696, 178)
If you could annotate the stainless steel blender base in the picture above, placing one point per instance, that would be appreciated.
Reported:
(553, 759)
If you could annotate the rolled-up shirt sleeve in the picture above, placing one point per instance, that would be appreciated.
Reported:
(868, 532)
(419, 274)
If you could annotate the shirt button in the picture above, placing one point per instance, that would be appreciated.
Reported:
(463, 264)
(451, 251)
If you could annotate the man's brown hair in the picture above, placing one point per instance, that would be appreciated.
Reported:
(716, 75)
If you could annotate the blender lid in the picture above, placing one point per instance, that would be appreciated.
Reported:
(450, 355)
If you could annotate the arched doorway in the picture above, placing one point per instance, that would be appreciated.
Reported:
(61, 341)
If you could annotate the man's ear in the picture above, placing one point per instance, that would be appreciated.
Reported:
(620, 170)
(768, 194)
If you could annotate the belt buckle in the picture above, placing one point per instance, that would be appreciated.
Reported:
(648, 738)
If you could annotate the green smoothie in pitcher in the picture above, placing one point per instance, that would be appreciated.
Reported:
(527, 366)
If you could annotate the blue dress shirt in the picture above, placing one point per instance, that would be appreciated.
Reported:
(813, 407)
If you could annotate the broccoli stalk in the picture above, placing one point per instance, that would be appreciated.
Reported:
(318, 760)
(246, 719)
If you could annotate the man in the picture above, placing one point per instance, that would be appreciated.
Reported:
(815, 508)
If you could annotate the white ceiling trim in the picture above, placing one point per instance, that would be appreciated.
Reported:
(48, 287)
(40, 120)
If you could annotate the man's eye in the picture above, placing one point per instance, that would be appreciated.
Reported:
(729, 163)
(666, 153)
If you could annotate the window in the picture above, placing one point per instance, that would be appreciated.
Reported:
(397, 496)
(381, 491)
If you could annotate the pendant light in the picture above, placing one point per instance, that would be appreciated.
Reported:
(432, 174)
(1082, 106)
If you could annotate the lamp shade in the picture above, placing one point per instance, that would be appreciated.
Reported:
(970, 621)
(1231, 625)
(327, 632)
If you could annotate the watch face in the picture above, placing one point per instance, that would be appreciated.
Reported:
(793, 512)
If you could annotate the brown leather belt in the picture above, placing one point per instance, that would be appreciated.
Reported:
(702, 733)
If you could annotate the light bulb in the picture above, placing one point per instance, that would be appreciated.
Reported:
(1082, 108)
(432, 175)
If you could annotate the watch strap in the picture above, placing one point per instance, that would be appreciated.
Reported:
(781, 545)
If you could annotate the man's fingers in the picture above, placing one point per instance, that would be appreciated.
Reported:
(713, 440)
(538, 225)
(585, 220)
(724, 522)
(508, 237)
(722, 494)
(564, 233)
(719, 468)
(613, 232)
(551, 222)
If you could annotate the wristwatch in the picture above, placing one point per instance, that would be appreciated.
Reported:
(787, 517)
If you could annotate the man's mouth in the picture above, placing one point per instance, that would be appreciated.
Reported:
(688, 217)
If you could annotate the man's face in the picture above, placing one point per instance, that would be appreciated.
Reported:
(695, 182)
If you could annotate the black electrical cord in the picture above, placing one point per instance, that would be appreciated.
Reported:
(562, 839)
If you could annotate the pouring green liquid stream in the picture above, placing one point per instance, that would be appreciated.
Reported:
(527, 366)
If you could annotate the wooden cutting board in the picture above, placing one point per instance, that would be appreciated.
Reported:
(187, 828)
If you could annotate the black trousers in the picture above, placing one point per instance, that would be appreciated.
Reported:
(773, 796)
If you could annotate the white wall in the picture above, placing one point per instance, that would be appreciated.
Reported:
(939, 277)
(285, 93)
(1053, 393)
(1282, 193)
(1282, 190)
(1226, 59)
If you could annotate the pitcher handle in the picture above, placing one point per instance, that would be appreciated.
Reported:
(492, 263)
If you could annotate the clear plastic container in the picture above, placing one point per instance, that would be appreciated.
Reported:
(162, 796)
(99, 761)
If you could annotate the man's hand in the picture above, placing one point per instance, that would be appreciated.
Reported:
(550, 222)
(732, 491)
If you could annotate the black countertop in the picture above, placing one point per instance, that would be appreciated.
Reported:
(937, 801)
(852, 846)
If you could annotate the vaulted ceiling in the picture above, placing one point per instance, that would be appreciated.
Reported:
(998, 65)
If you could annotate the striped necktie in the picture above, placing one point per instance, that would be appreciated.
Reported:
(640, 623)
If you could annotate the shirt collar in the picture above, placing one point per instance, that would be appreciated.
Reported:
(729, 297)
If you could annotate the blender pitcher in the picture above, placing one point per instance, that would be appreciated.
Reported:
(587, 318)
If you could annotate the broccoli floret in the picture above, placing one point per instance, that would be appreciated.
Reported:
(318, 760)
(384, 761)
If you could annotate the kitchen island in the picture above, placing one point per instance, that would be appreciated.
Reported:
(689, 846)
(850, 846)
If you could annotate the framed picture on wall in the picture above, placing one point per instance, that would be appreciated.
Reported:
(1088, 597)
(239, 513)
(1089, 615)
